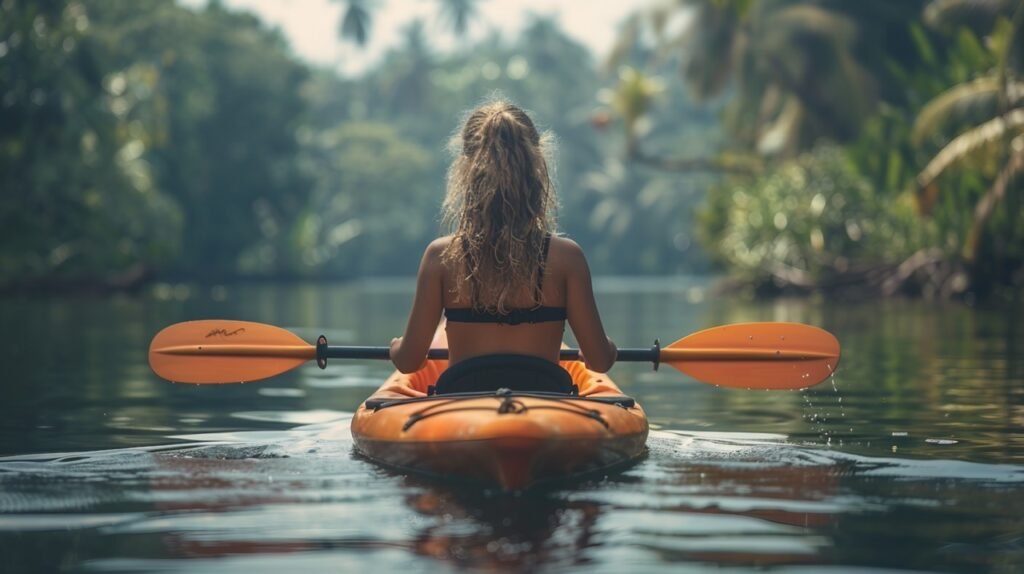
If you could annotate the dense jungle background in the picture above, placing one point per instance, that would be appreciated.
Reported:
(820, 146)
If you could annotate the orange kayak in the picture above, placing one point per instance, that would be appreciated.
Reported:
(512, 439)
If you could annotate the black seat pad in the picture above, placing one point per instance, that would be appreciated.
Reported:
(515, 372)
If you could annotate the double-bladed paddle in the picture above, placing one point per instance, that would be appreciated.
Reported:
(768, 356)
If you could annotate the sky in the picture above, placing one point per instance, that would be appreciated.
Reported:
(311, 26)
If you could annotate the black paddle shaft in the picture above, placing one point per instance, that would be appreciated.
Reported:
(324, 352)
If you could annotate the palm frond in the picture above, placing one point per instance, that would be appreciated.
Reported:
(974, 98)
(1013, 170)
(810, 20)
(709, 45)
(633, 98)
(975, 14)
(962, 147)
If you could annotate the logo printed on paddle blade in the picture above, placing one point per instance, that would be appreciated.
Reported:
(225, 332)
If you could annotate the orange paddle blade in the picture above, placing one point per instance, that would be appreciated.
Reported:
(221, 351)
(756, 355)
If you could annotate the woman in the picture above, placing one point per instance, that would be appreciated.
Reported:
(503, 280)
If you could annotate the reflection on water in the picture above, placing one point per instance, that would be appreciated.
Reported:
(272, 500)
(910, 458)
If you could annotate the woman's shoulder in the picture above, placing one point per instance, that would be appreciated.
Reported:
(566, 251)
(563, 245)
(433, 255)
(438, 246)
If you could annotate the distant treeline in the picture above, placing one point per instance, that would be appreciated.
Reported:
(845, 147)
(141, 138)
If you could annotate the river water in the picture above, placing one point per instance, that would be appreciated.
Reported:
(911, 458)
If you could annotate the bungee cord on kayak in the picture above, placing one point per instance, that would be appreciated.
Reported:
(510, 405)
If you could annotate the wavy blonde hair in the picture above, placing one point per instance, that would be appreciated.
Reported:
(499, 206)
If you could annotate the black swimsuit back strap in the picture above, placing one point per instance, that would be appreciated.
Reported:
(512, 317)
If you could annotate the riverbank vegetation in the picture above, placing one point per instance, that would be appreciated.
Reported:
(854, 149)
(889, 135)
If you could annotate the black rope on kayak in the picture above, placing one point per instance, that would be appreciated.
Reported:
(418, 416)
(508, 405)
(589, 413)
(511, 406)
(623, 401)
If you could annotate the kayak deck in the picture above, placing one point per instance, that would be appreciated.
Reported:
(506, 438)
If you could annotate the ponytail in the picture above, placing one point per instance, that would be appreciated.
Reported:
(500, 205)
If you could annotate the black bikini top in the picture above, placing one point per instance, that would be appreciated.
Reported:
(539, 314)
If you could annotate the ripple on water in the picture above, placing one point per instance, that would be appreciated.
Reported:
(282, 392)
(24, 522)
(272, 500)
(291, 417)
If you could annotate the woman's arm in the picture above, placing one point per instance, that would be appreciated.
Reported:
(409, 352)
(598, 350)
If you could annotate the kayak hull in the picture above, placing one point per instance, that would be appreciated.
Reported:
(506, 439)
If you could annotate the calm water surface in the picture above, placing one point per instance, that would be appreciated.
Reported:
(910, 459)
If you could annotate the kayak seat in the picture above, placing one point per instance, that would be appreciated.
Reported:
(489, 373)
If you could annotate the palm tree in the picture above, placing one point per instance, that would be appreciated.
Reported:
(632, 100)
(998, 98)
(458, 13)
(408, 84)
(791, 65)
(356, 22)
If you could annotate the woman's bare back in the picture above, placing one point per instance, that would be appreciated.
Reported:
(566, 284)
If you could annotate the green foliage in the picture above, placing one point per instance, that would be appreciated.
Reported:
(195, 143)
(924, 95)
(806, 220)
(792, 67)
(374, 203)
(79, 201)
(192, 141)
(224, 115)
(424, 95)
